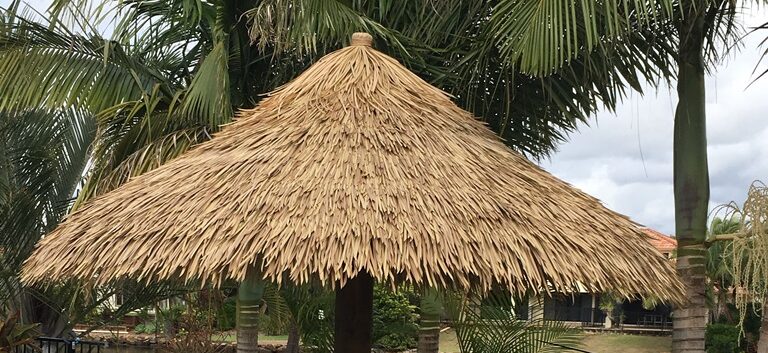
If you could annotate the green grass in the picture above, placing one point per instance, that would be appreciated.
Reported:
(231, 336)
(604, 343)
(448, 342)
(593, 342)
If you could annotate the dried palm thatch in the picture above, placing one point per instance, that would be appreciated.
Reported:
(357, 164)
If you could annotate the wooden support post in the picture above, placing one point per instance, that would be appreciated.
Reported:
(354, 315)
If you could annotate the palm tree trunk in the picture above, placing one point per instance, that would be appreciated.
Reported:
(249, 297)
(691, 180)
(429, 325)
(292, 346)
(429, 339)
(354, 315)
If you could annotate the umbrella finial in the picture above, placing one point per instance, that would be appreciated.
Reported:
(361, 39)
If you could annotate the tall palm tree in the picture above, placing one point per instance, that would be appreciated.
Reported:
(703, 25)
(171, 72)
(700, 31)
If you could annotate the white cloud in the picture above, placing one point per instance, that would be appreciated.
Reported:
(626, 160)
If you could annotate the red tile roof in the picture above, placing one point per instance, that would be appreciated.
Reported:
(662, 242)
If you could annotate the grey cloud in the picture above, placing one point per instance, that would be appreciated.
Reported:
(605, 158)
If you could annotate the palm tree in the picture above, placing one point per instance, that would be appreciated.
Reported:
(702, 25)
(171, 72)
(42, 158)
(699, 32)
(431, 310)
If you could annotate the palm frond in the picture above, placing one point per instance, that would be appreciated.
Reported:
(310, 26)
(541, 36)
(208, 96)
(490, 325)
(108, 173)
(45, 153)
(5, 177)
(455, 46)
(93, 73)
(312, 309)
(138, 136)
(723, 30)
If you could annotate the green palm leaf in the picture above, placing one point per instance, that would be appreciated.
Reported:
(91, 72)
(208, 95)
(542, 35)
(45, 155)
(489, 325)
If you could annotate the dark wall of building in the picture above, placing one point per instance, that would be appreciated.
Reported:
(577, 307)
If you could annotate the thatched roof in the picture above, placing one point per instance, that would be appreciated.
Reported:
(357, 164)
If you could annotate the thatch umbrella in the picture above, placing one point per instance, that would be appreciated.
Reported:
(357, 170)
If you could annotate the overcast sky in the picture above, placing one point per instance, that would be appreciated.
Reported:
(626, 159)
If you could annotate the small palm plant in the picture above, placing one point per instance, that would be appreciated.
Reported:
(490, 325)
(14, 334)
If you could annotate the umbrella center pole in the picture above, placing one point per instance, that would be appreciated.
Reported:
(354, 315)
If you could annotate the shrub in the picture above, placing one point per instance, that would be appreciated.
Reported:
(170, 319)
(193, 338)
(226, 317)
(723, 338)
(147, 327)
(750, 324)
(394, 320)
(273, 326)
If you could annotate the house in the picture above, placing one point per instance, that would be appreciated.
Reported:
(584, 308)
(665, 244)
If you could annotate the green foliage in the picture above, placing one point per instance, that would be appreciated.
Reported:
(312, 309)
(608, 302)
(13, 334)
(276, 309)
(170, 318)
(272, 325)
(42, 158)
(650, 302)
(394, 319)
(498, 330)
(147, 327)
(745, 255)
(171, 73)
(723, 338)
(193, 338)
(546, 35)
(43, 155)
(750, 323)
(226, 316)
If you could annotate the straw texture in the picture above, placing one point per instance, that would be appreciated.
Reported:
(356, 164)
